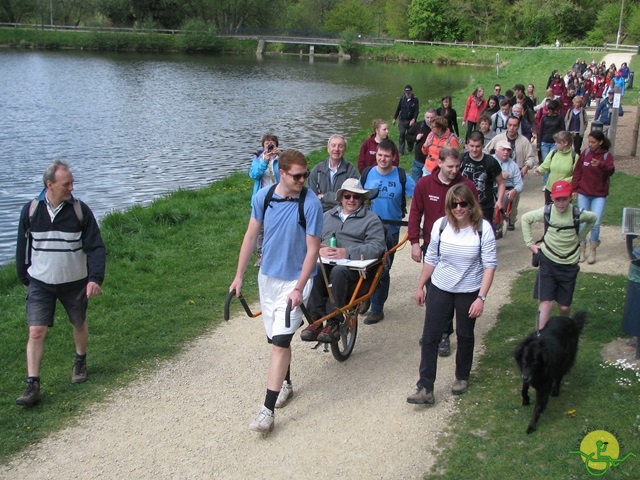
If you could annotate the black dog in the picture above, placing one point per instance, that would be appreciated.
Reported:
(543, 360)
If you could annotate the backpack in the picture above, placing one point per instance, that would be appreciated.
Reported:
(573, 156)
(403, 182)
(33, 206)
(443, 225)
(576, 226)
(269, 198)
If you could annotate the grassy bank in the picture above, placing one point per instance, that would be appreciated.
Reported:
(487, 440)
(168, 271)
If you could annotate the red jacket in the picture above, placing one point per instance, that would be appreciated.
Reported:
(428, 201)
(593, 180)
(367, 155)
(473, 109)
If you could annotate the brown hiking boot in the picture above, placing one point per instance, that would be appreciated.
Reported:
(310, 334)
(31, 395)
(79, 374)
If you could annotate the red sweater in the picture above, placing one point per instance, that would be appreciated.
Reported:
(367, 157)
(428, 201)
(593, 180)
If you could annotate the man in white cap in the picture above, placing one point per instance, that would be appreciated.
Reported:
(512, 181)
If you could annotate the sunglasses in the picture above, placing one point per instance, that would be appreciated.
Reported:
(349, 196)
(463, 204)
(299, 176)
(497, 89)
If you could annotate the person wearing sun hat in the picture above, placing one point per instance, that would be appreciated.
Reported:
(559, 248)
(359, 235)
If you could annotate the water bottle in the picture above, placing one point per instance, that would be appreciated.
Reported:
(333, 242)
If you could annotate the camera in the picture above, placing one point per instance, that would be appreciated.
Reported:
(271, 147)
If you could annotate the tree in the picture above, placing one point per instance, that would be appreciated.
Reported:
(395, 18)
(432, 20)
(350, 16)
(14, 11)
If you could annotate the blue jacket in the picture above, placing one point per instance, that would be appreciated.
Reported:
(258, 167)
(603, 114)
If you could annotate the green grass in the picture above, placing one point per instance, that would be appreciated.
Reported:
(487, 439)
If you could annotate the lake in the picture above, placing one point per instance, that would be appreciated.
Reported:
(136, 126)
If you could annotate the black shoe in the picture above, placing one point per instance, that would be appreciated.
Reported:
(511, 227)
(373, 318)
(498, 234)
(444, 348)
(364, 307)
(31, 395)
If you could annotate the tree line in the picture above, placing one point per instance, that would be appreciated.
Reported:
(519, 22)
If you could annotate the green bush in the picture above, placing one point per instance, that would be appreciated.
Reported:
(197, 36)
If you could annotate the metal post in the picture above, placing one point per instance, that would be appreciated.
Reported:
(634, 136)
(613, 127)
(51, 12)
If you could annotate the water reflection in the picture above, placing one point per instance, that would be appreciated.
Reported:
(136, 126)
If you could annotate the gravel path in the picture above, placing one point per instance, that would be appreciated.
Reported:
(189, 418)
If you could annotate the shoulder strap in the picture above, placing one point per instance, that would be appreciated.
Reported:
(576, 218)
(443, 225)
(403, 182)
(364, 174)
(302, 220)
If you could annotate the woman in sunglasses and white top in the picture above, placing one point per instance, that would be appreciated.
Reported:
(460, 262)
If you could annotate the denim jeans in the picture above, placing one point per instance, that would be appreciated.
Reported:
(381, 293)
(595, 205)
(545, 148)
(416, 170)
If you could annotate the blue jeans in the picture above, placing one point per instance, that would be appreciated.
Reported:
(595, 205)
(381, 293)
(416, 170)
(545, 148)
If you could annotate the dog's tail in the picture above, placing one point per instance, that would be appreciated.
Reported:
(579, 320)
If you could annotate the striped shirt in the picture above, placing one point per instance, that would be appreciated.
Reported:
(462, 260)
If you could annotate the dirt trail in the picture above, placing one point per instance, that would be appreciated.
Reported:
(189, 418)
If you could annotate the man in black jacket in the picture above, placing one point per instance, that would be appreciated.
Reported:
(60, 256)
(407, 113)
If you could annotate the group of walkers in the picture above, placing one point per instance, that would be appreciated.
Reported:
(353, 213)
(456, 198)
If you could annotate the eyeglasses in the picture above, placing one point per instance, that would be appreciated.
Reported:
(299, 176)
(497, 89)
(349, 196)
(463, 204)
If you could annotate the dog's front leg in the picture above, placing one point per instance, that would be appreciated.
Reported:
(542, 398)
(525, 393)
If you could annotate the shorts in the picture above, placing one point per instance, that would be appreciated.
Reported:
(273, 303)
(556, 281)
(41, 304)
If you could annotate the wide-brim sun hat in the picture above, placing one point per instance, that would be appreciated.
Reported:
(351, 185)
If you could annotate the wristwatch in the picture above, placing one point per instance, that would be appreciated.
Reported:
(482, 297)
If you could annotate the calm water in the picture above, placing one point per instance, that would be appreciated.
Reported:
(134, 127)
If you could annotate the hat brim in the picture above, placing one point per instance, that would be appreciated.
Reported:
(361, 191)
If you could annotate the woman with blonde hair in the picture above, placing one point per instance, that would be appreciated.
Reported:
(458, 267)
(559, 163)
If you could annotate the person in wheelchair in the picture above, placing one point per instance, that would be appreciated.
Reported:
(359, 235)
(513, 183)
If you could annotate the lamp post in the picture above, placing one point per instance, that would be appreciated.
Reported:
(620, 24)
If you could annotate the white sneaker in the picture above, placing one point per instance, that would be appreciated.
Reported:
(286, 392)
(263, 422)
